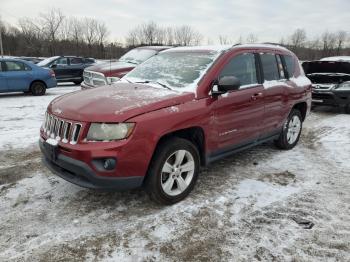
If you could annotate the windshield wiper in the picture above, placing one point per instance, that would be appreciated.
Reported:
(156, 82)
(129, 61)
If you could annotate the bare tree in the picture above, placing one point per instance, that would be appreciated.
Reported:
(329, 42)
(102, 33)
(185, 35)
(51, 22)
(341, 37)
(223, 40)
(90, 32)
(252, 38)
(298, 38)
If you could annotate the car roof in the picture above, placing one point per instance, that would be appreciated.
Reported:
(222, 48)
(13, 60)
(156, 48)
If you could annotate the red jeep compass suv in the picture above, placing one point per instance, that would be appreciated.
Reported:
(179, 110)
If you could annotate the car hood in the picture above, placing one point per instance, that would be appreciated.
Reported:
(324, 67)
(115, 103)
(108, 68)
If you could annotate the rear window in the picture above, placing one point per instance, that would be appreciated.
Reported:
(269, 65)
(289, 60)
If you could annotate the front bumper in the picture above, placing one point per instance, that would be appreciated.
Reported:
(81, 174)
(331, 97)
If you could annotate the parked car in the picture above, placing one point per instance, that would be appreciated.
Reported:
(67, 68)
(110, 72)
(23, 76)
(330, 79)
(181, 109)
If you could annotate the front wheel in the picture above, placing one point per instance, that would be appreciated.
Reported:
(291, 131)
(173, 171)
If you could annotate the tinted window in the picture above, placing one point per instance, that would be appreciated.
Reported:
(61, 61)
(0, 66)
(242, 67)
(76, 61)
(89, 60)
(289, 64)
(14, 66)
(269, 64)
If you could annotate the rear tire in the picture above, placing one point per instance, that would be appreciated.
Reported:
(38, 88)
(173, 171)
(291, 131)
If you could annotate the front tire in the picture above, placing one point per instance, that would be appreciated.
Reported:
(291, 131)
(173, 171)
(38, 88)
(77, 82)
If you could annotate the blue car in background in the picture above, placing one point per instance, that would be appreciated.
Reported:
(23, 76)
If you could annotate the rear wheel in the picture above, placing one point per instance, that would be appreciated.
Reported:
(38, 89)
(291, 131)
(173, 171)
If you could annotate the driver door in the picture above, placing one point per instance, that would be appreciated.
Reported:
(60, 67)
(239, 113)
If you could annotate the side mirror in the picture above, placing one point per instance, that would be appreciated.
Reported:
(53, 66)
(225, 84)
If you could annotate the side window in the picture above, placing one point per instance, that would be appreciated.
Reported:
(60, 61)
(269, 65)
(242, 67)
(14, 66)
(1, 66)
(280, 67)
(76, 61)
(289, 60)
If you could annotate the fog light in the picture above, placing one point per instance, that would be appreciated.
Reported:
(109, 164)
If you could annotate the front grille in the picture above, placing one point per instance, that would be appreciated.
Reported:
(94, 78)
(61, 130)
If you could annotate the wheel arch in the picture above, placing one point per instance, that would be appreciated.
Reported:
(302, 107)
(37, 80)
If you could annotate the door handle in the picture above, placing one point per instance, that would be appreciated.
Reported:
(256, 96)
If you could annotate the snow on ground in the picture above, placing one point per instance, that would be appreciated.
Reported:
(262, 204)
(22, 115)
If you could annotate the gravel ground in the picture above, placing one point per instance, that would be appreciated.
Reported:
(258, 205)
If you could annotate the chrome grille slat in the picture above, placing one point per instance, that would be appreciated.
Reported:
(62, 130)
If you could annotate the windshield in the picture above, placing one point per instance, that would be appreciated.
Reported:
(47, 61)
(174, 69)
(137, 56)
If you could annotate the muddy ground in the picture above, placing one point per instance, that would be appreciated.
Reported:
(262, 204)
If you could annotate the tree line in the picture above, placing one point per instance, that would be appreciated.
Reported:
(53, 33)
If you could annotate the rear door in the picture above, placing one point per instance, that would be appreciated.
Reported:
(3, 80)
(239, 114)
(76, 66)
(276, 87)
(19, 76)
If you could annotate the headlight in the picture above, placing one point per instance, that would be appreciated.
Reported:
(344, 86)
(108, 132)
(111, 80)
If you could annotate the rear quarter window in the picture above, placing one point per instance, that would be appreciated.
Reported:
(290, 64)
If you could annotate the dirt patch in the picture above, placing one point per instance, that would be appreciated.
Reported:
(21, 164)
(283, 178)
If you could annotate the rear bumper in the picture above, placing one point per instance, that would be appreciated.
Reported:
(331, 98)
(79, 173)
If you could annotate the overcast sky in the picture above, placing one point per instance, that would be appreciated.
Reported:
(268, 19)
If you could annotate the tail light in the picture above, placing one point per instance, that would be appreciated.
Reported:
(52, 73)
